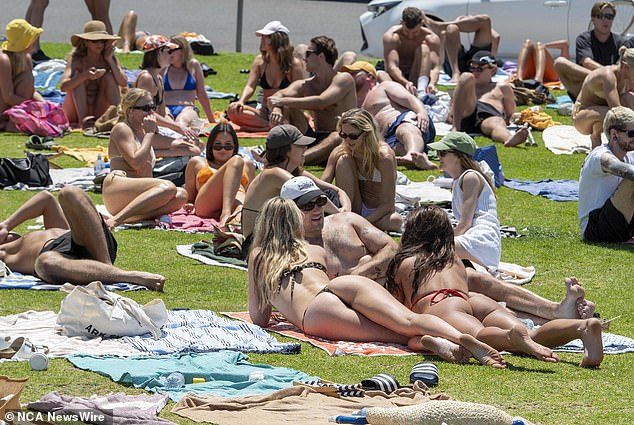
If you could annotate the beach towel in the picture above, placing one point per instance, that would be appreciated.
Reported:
(184, 221)
(225, 373)
(41, 328)
(565, 139)
(299, 404)
(48, 74)
(409, 195)
(204, 331)
(186, 250)
(212, 94)
(16, 280)
(510, 273)
(88, 155)
(280, 325)
(556, 190)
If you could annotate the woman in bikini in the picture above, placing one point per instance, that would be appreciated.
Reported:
(130, 193)
(536, 62)
(427, 276)
(216, 185)
(365, 168)
(93, 77)
(287, 273)
(184, 82)
(156, 57)
(473, 201)
(285, 147)
(273, 69)
(16, 69)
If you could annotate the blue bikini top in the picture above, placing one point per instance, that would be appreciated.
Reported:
(190, 82)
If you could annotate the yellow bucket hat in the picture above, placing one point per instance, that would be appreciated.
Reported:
(20, 35)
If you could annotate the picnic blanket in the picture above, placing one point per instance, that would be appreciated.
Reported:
(225, 373)
(203, 331)
(186, 250)
(333, 348)
(556, 190)
(16, 280)
(565, 139)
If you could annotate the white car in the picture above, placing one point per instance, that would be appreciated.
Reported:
(515, 20)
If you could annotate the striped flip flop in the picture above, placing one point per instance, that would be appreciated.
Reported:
(425, 372)
(382, 382)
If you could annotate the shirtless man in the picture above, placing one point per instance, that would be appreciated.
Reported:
(603, 89)
(76, 245)
(412, 53)
(326, 94)
(485, 38)
(401, 118)
(481, 106)
(355, 246)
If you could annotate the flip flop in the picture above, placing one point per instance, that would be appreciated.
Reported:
(425, 372)
(382, 382)
(37, 143)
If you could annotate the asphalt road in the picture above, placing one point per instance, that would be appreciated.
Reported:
(216, 19)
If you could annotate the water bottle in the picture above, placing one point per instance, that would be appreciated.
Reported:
(174, 380)
(99, 164)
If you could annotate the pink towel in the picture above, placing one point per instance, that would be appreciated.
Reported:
(188, 222)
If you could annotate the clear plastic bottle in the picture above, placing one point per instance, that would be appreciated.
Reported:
(99, 164)
(175, 380)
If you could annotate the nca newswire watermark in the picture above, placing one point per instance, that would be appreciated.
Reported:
(60, 417)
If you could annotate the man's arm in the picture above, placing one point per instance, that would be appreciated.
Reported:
(42, 204)
(612, 165)
(341, 85)
(583, 52)
(399, 96)
(274, 102)
(391, 57)
(379, 245)
(508, 101)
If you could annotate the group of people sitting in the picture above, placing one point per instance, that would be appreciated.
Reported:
(348, 279)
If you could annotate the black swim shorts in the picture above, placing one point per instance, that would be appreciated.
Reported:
(607, 224)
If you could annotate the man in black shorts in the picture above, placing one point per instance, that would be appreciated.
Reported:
(606, 184)
(76, 246)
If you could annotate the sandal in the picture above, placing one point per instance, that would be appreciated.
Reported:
(381, 382)
(37, 143)
(425, 372)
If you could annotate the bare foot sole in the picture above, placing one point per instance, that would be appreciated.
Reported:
(153, 282)
(446, 349)
(482, 352)
(422, 162)
(521, 341)
(519, 137)
(574, 305)
(592, 344)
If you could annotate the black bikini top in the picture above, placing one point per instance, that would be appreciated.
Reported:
(264, 83)
(290, 273)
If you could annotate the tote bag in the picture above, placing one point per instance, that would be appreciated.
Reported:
(32, 171)
(42, 118)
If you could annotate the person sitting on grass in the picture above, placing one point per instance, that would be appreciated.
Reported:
(130, 192)
(365, 168)
(184, 82)
(535, 62)
(75, 246)
(156, 58)
(17, 84)
(287, 273)
(480, 105)
(275, 68)
(216, 185)
(93, 76)
(473, 201)
(427, 276)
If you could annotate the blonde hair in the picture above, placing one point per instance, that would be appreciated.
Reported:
(18, 61)
(617, 118)
(626, 55)
(130, 99)
(279, 236)
(362, 120)
(188, 55)
(468, 163)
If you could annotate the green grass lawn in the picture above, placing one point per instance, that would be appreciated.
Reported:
(544, 393)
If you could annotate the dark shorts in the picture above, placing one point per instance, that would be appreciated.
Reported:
(390, 133)
(66, 246)
(464, 57)
(318, 135)
(607, 224)
(483, 110)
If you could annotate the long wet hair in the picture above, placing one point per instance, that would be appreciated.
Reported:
(428, 237)
(362, 120)
(279, 235)
(222, 127)
(284, 50)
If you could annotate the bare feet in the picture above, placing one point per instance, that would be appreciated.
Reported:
(482, 352)
(519, 137)
(592, 343)
(153, 282)
(418, 160)
(446, 349)
(521, 341)
(574, 305)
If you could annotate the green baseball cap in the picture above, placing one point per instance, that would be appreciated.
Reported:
(455, 141)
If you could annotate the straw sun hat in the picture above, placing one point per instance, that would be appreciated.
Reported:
(93, 30)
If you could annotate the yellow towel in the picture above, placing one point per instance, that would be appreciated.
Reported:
(88, 155)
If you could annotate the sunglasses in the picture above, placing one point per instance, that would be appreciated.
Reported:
(311, 52)
(146, 108)
(608, 16)
(630, 133)
(350, 136)
(319, 201)
(170, 51)
(473, 68)
(219, 146)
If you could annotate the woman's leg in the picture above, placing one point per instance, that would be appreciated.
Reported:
(109, 94)
(347, 178)
(75, 104)
(127, 32)
(589, 120)
(377, 304)
(560, 331)
(250, 119)
(218, 194)
(135, 199)
(187, 115)
(526, 61)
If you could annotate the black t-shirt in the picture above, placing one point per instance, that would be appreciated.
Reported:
(588, 46)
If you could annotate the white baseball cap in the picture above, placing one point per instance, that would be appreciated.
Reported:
(300, 189)
(271, 27)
